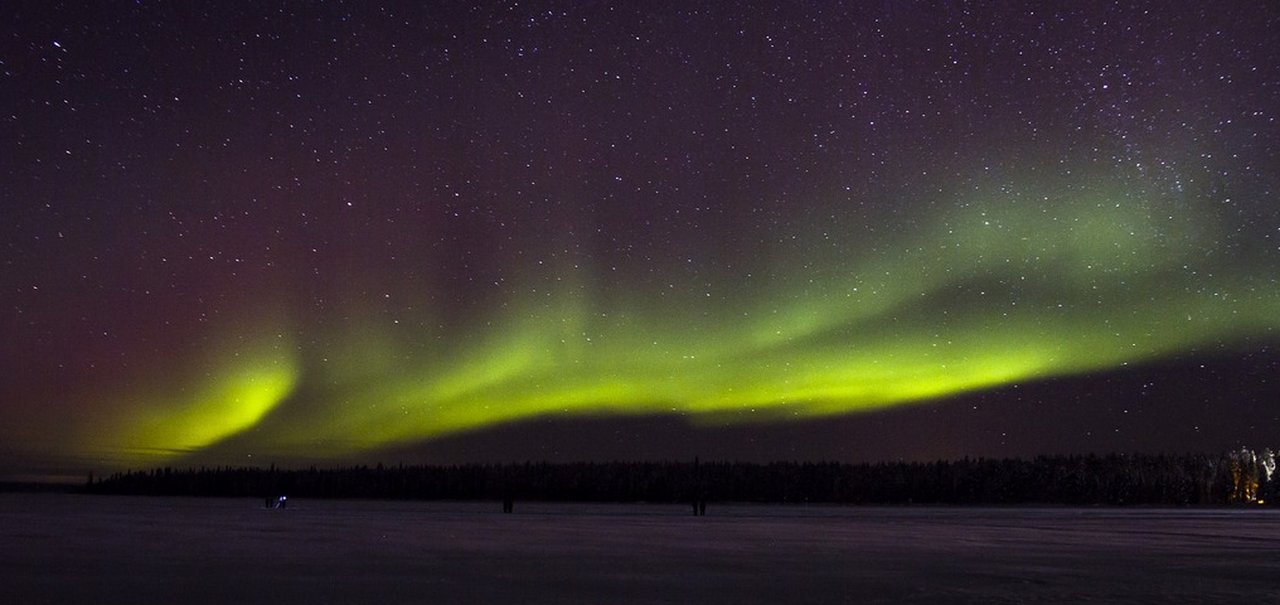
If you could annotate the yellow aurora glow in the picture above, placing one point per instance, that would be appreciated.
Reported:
(164, 419)
(996, 295)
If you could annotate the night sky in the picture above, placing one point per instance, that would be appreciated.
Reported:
(255, 232)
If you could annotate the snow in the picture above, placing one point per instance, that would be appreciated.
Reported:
(78, 549)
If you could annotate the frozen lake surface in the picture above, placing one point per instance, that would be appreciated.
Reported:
(86, 549)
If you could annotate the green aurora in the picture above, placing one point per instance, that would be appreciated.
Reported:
(328, 232)
(1001, 292)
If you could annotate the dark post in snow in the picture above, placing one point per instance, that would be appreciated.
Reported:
(699, 501)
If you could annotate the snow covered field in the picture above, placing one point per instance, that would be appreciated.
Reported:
(82, 549)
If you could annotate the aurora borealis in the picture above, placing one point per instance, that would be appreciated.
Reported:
(310, 232)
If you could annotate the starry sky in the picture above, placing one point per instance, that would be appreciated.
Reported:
(260, 232)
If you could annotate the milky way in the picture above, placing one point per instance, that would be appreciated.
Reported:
(315, 231)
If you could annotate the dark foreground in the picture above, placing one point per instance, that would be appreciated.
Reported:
(82, 549)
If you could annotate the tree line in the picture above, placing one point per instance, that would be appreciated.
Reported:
(1237, 477)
